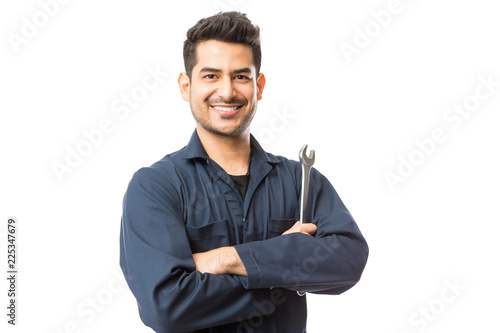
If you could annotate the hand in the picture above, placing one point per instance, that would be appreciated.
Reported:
(306, 228)
(224, 260)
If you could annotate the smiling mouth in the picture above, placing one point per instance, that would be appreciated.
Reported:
(226, 108)
(226, 111)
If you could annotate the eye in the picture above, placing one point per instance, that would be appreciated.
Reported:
(242, 77)
(210, 76)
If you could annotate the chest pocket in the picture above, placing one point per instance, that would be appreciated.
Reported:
(276, 227)
(208, 237)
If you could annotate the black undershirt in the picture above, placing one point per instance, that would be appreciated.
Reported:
(241, 183)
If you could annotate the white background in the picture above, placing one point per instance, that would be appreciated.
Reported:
(360, 113)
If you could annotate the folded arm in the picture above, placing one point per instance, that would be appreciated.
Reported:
(329, 263)
(158, 265)
(225, 260)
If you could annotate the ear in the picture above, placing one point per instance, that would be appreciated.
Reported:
(184, 86)
(261, 82)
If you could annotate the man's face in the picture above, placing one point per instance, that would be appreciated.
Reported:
(224, 88)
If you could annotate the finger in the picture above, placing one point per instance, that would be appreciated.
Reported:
(309, 228)
(294, 228)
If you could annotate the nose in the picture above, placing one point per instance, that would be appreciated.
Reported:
(226, 89)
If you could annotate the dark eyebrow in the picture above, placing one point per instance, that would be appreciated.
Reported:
(210, 69)
(244, 70)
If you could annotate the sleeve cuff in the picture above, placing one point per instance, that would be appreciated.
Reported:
(254, 276)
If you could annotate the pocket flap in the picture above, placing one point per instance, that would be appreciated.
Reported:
(276, 227)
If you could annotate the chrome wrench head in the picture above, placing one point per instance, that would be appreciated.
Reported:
(304, 159)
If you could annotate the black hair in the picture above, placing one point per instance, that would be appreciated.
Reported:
(229, 27)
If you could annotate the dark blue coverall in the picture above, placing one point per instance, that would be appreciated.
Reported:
(186, 203)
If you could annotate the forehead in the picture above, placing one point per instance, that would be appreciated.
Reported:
(222, 55)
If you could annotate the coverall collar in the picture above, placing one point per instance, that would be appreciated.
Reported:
(194, 149)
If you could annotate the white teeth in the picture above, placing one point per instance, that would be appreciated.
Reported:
(225, 109)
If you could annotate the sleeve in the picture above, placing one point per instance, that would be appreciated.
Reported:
(157, 262)
(331, 262)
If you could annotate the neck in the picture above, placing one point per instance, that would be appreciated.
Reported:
(231, 153)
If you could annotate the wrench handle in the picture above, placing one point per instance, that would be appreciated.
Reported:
(304, 192)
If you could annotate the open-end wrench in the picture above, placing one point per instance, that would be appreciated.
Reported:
(307, 162)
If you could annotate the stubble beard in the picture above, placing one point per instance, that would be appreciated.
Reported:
(210, 127)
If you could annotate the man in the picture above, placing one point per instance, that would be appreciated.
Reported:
(210, 240)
